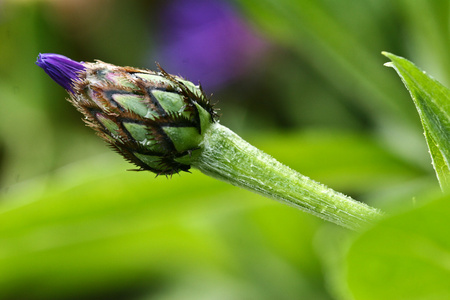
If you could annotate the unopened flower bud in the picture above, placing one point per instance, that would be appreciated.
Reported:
(165, 124)
(155, 120)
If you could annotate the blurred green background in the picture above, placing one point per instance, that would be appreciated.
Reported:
(303, 80)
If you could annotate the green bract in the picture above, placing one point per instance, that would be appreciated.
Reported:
(155, 120)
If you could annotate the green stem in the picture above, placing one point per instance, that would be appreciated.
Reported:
(227, 157)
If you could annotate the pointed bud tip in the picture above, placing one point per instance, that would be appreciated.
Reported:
(60, 68)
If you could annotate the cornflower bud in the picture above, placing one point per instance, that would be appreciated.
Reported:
(166, 124)
(155, 120)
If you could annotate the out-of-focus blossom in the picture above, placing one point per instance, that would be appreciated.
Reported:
(206, 40)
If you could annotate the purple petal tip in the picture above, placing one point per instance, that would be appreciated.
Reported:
(61, 69)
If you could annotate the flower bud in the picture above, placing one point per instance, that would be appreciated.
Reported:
(165, 124)
(155, 120)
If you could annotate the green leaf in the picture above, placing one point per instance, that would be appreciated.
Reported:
(94, 229)
(127, 232)
(403, 257)
(432, 101)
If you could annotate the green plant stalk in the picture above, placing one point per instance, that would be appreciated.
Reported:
(229, 158)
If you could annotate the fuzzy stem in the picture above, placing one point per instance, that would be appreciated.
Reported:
(227, 157)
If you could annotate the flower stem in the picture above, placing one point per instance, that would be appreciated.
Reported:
(227, 157)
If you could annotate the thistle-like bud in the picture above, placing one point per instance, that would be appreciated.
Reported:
(155, 120)
(165, 124)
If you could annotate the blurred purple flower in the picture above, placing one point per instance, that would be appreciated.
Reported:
(206, 41)
(61, 69)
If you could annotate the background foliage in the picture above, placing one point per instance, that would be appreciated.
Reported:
(301, 80)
